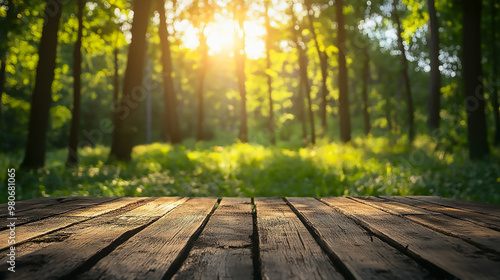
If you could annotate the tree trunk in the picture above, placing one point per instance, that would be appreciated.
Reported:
(116, 88)
(435, 75)
(472, 75)
(323, 59)
(303, 72)
(404, 72)
(494, 65)
(366, 73)
(72, 159)
(201, 80)
(345, 118)
(3, 61)
(41, 99)
(169, 96)
(240, 58)
(272, 136)
(148, 107)
(305, 82)
(302, 113)
(133, 91)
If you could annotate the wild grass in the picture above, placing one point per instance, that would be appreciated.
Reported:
(368, 166)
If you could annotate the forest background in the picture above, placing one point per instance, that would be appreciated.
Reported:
(250, 98)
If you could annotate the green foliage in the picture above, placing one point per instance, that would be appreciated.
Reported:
(376, 165)
(369, 166)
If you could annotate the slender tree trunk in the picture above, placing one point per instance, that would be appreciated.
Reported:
(473, 80)
(201, 80)
(116, 87)
(302, 113)
(272, 136)
(3, 61)
(366, 73)
(323, 59)
(133, 91)
(345, 118)
(303, 72)
(305, 82)
(148, 107)
(169, 96)
(495, 81)
(404, 72)
(41, 99)
(240, 58)
(74, 131)
(435, 75)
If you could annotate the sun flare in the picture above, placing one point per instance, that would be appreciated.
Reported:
(220, 37)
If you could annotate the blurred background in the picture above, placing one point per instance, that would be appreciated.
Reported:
(250, 98)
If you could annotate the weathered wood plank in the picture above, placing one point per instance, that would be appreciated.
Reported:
(223, 250)
(484, 208)
(96, 237)
(445, 254)
(149, 253)
(484, 238)
(484, 220)
(42, 212)
(23, 204)
(364, 255)
(41, 202)
(287, 249)
(38, 228)
(60, 235)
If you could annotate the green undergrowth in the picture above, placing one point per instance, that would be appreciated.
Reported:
(372, 166)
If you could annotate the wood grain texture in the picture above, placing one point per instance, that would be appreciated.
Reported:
(60, 235)
(483, 208)
(476, 217)
(45, 226)
(364, 255)
(483, 237)
(24, 205)
(150, 253)
(287, 249)
(447, 254)
(41, 211)
(61, 258)
(223, 250)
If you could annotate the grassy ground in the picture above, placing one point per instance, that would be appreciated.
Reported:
(365, 167)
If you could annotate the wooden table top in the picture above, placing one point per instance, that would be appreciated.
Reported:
(409, 237)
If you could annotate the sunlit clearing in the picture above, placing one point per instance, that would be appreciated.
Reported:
(220, 37)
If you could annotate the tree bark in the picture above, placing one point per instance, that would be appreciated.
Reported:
(404, 73)
(366, 73)
(133, 91)
(494, 65)
(169, 95)
(323, 59)
(41, 99)
(473, 80)
(72, 159)
(201, 80)
(345, 118)
(435, 75)
(240, 58)
(272, 136)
